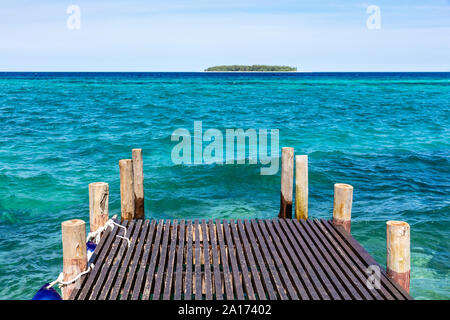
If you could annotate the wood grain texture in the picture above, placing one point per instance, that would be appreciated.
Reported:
(127, 203)
(398, 260)
(138, 183)
(98, 205)
(301, 187)
(74, 253)
(287, 180)
(233, 260)
(342, 205)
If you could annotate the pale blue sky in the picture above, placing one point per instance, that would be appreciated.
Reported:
(191, 35)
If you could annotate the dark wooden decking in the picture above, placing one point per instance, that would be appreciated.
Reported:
(250, 259)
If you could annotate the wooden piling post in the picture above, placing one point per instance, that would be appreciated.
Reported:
(342, 209)
(287, 179)
(138, 172)
(301, 187)
(98, 205)
(398, 252)
(126, 189)
(74, 252)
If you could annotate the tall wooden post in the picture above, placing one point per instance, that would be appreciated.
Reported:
(287, 180)
(74, 253)
(126, 189)
(138, 172)
(98, 204)
(398, 252)
(301, 187)
(342, 209)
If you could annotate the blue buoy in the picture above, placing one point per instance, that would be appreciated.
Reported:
(45, 293)
(90, 246)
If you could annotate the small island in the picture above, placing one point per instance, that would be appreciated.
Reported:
(253, 68)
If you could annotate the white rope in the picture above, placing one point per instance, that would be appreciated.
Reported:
(109, 224)
(125, 238)
(61, 282)
(92, 235)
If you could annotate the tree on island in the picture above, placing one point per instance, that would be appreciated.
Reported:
(255, 67)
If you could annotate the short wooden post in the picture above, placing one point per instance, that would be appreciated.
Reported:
(398, 252)
(138, 172)
(342, 209)
(74, 252)
(301, 187)
(287, 180)
(98, 205)
(126, 189)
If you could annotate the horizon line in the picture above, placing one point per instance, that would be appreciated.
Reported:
(386, 71)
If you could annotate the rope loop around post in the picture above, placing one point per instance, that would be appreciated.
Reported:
(92, 236)
(62, 283)
(109, 224)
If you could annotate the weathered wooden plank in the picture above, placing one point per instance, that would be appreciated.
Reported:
(393, 288)
(306, 278)
(179, 264)
(261, 295)
(215, 260)
(311, 260)
(265, 277)
(170, 262)
(312, 273)
(351, 274)
(269, 261)
(139, 283)
(233, 261)
(243, 264)
(278, 244)
(117, 285)
(224, 259)
(188, 277)
(354, 264)
(261, 259)
(93, 275)
(279, 263)
(339, 273)
(322, 261)
(154, 256)
(162, 263)
(116, 266)
(197, 263)
(134, 263)
(206, 262)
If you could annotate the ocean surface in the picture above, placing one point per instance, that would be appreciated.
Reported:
(387, 134)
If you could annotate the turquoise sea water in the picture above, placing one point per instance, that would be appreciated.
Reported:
(387, 134)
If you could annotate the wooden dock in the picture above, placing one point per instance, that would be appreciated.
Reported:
(281, 259)
(232, 260)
